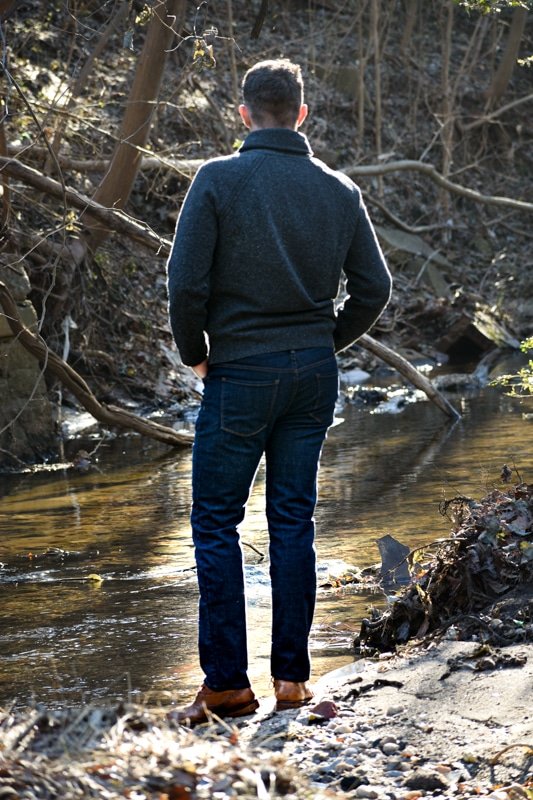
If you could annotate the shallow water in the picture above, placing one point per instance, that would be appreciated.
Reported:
(69, 638)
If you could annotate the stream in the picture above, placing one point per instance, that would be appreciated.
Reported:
(97, 585)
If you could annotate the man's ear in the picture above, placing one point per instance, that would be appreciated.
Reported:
(302, 114)
(245, 115)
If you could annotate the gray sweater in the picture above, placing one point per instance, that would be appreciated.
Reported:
(261, 242)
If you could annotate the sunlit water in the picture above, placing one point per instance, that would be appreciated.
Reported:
(68, 638)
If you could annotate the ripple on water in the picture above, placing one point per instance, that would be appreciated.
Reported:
(128, 521)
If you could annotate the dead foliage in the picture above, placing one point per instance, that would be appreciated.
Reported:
(129, 751)
(464, 584)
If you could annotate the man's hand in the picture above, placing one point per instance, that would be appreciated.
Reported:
(200, 369)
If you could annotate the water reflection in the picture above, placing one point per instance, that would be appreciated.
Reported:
(67, 638)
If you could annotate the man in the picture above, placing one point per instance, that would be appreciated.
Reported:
(260, 245)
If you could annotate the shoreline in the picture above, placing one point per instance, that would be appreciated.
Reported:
(408, 726)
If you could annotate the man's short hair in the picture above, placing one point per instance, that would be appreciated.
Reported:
(273, 92)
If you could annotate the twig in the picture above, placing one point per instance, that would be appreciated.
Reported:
(12, 455)
(398, 222)
(251, 546)
(496, 758)
(497, 113)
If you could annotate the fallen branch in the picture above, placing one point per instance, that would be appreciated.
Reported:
(408, 371)
(148, 160)
(109, 415)
(189, 167)
(109, 217)
(431, 172)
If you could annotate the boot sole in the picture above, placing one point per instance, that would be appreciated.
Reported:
(221, 711)
(283, 705)
(249, 708)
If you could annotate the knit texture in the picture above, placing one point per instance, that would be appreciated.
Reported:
(261, 243)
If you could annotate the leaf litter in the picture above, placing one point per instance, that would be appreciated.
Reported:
(478, 583)
(130, 751)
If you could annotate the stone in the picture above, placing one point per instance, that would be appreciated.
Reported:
(15, 277)
(425, 781)
(26, 415)
(367, 791)
(349, 783)
(393, 710)
(27, 315)
(389, 748)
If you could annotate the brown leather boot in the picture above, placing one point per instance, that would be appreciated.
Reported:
(231, 703)
(290, 694)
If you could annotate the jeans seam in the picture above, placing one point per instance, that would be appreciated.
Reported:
(320, 378)
(257, 368)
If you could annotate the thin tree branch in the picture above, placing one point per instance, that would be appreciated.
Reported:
(109, 217)
(184, 166)
(431, 172)
(259, 20)
(398, 222)
(498, 113)
(72, 380)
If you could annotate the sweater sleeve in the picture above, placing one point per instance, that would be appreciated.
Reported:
(188, 269)
(368, 284)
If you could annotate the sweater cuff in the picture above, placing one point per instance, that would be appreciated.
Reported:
(351, 327)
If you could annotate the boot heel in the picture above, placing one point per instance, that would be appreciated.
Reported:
(242, 712)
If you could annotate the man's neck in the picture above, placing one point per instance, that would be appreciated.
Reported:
(254, 128)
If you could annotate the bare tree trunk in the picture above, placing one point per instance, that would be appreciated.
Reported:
(361, 68)
(410, 22)
(504, 72)
(374, 34)
(6, 198)
(116, 186)
(447, 121)
(233, 60)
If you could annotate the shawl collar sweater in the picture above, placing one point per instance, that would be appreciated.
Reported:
(262, 241)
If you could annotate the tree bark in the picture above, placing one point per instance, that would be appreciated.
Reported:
(109, 218)
(116, 186)
(440, 180)
(52, 363)
(408, 371)
(505, 70)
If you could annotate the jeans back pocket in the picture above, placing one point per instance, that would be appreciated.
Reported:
(246, 406)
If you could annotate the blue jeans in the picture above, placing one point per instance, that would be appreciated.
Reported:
(281, 405)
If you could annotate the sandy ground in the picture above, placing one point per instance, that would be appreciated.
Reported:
(450, 706)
